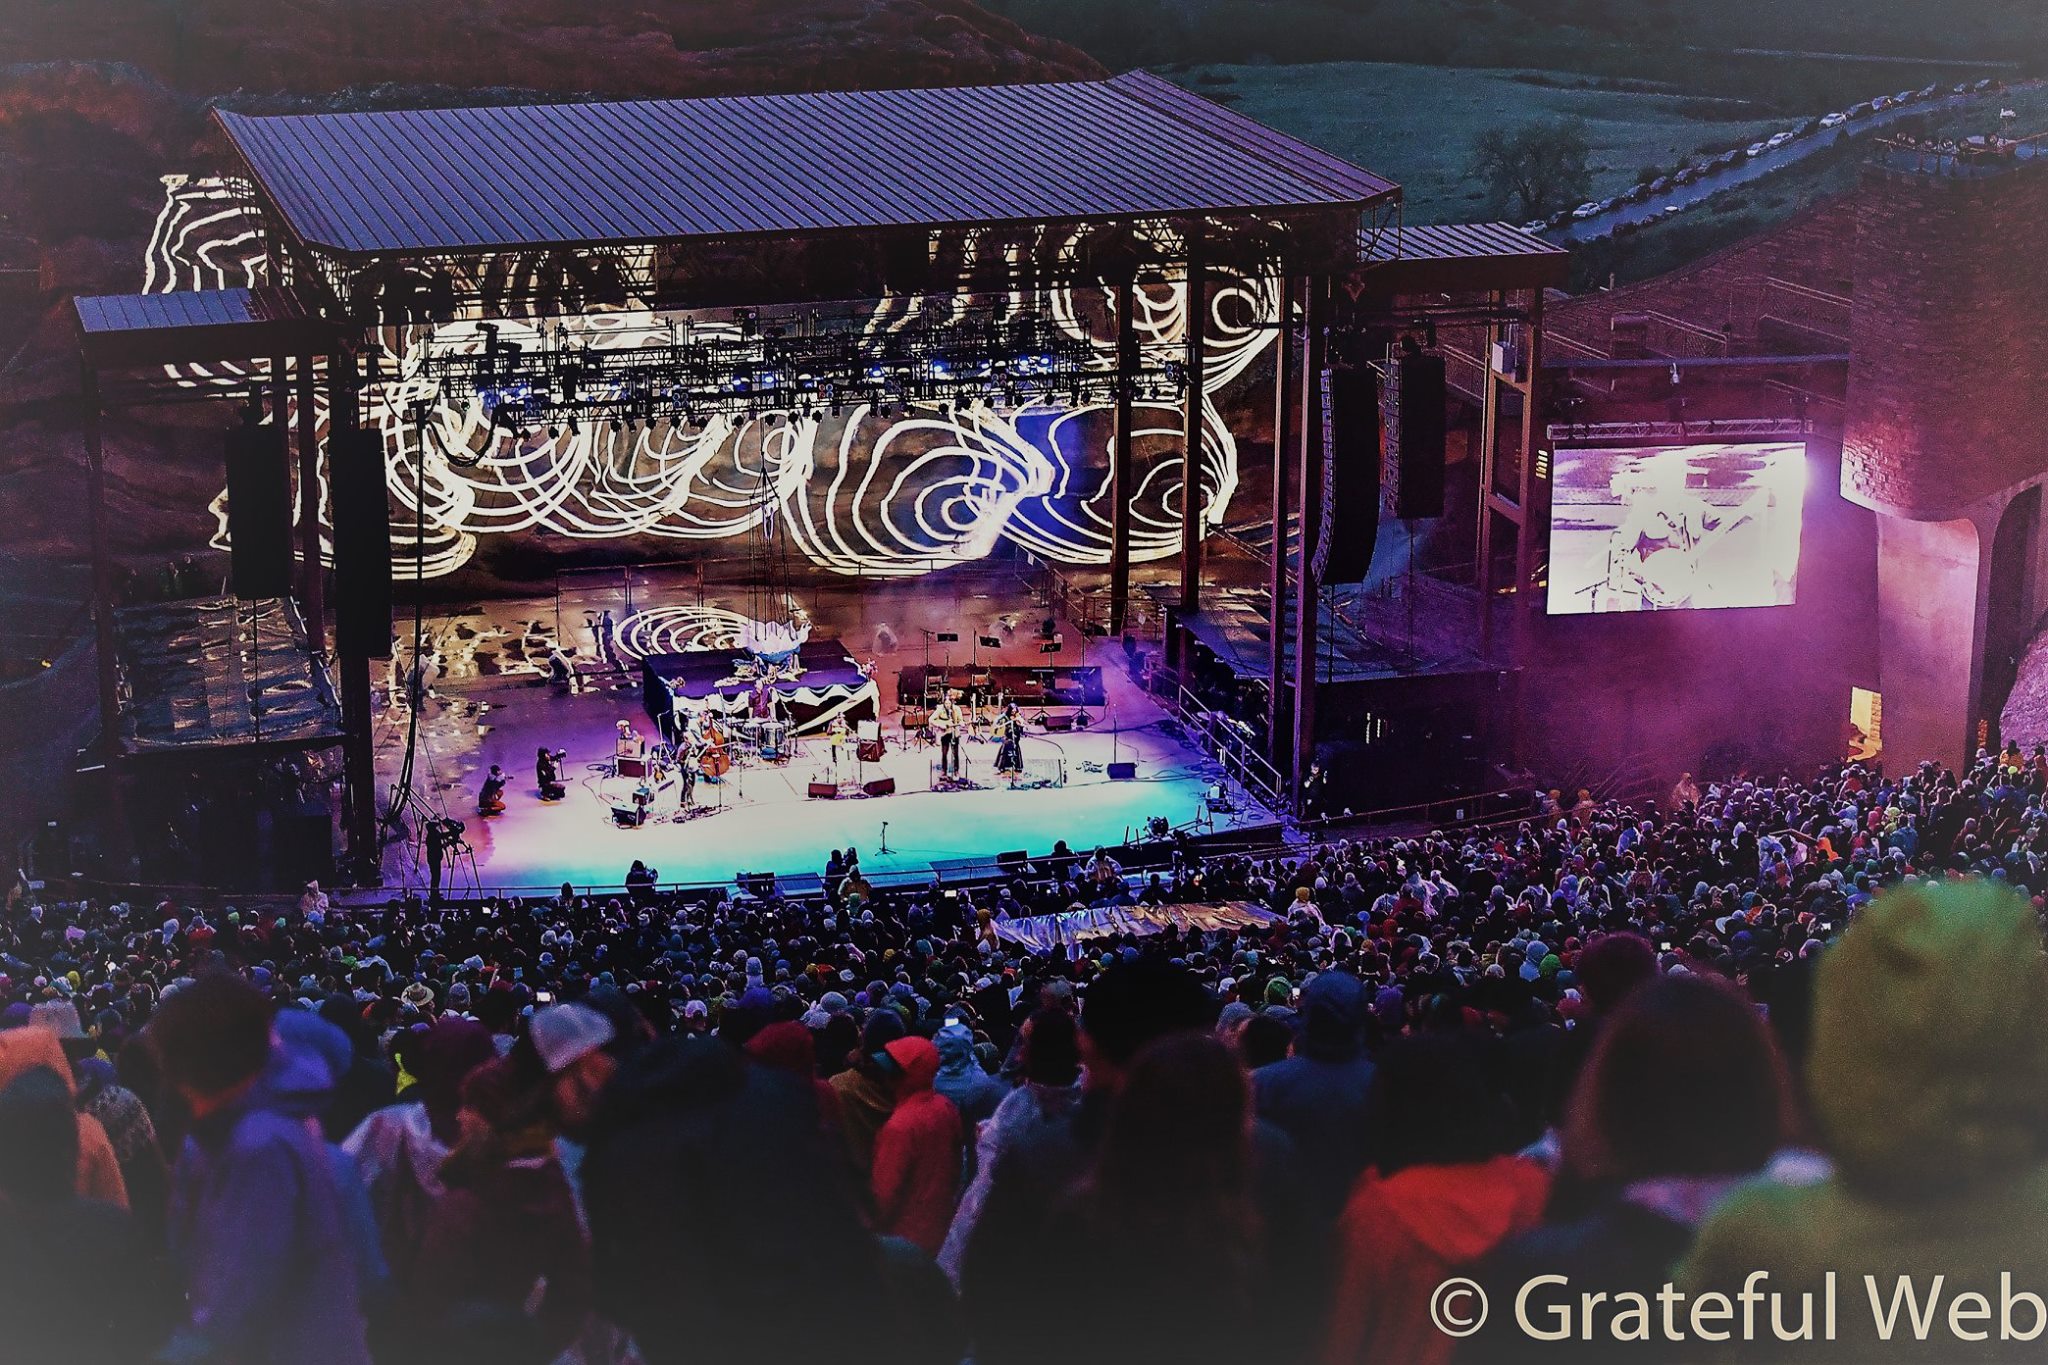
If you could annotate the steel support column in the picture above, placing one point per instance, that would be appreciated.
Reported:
(1121, 489)
(1285, 400)
(365, 853)
(1308, 582)
(107, 745)
(312, 587)
(1191, 434)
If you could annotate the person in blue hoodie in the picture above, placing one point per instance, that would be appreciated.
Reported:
(1318, 1095)
(258, 1224)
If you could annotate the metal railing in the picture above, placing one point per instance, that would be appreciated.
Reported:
(1224, 739)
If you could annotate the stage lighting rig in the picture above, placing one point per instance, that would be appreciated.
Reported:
(794, 366)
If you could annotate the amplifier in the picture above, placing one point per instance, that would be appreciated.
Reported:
(632, 767)
(870, 751)
(1123, 772)
(880, 786)
(1057, 723)
(824, 791)
(915, 718)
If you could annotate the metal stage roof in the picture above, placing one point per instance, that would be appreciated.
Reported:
(1458, 257)
(649, 171)
(197, 326)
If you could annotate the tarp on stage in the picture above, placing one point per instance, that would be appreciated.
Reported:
(831, 684)
(1041, 933)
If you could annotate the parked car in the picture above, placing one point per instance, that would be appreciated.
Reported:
(1986, 84)
(1777, 140)
(1536, 225)
(1834, 120)
(1665, 182)
(1863, 110)
(1881, 103)
(1929, 92)
(1757, 149)
(1586, 210)
(1961, 88)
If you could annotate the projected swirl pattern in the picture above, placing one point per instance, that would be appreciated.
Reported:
(861, 494)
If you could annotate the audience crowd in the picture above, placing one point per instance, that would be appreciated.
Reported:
(1796, 1027)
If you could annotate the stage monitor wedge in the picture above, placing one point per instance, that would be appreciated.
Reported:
(362, 544)
(259, 512)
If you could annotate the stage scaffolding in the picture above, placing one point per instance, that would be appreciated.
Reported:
(990, 196)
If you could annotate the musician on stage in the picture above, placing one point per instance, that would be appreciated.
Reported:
(945, 723)
(490, 798)
(629, 743)
(835, 734)
(547, 774)
(1010, 753)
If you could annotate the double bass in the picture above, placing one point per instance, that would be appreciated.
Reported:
(714, 759)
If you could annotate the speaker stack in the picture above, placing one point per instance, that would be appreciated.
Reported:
(1412, 434)
(1351, 473)
(362, 544)
(259, 511)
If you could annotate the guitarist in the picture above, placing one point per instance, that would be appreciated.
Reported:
(945, 723)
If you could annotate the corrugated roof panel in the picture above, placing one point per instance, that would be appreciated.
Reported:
(657, 170)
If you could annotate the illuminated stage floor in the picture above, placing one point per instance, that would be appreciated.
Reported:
(768, 823)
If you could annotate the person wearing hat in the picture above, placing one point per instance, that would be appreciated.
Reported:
(120, 1112)
(570, 1041)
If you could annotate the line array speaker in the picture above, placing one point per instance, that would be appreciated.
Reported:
(1412, 435)
(259, 511)
(362, 544)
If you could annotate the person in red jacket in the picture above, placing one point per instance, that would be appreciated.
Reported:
(917, 1153)
(1438, 1198)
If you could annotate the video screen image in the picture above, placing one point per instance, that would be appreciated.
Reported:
(1665, 528)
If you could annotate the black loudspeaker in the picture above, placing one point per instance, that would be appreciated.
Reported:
(1016, 860)
(823, 791)
(259, 512)
(1123, 772)
(1412, 435)
(1351, 474)
(305, 846)
(880, 786)
(362, 544)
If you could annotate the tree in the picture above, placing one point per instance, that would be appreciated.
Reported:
(1536, 169)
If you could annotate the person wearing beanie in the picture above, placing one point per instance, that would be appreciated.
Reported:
(1928, 1081)
(866, 1094)
(918, 1151)
(1318, 1095)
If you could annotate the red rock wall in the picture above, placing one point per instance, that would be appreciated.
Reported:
(1950, 341)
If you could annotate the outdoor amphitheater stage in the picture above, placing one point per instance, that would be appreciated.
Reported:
(490, 704)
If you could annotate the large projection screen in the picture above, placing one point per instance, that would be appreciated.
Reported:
(1664, 528)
